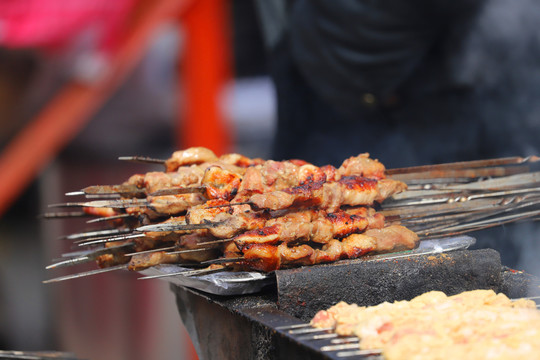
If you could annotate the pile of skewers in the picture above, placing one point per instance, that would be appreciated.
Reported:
(235, 213)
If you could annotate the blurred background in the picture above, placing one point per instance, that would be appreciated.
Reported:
(82, 83)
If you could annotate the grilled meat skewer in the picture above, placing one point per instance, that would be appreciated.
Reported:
(266, 257)
(313, 225)
(198, 155)
(349, 190)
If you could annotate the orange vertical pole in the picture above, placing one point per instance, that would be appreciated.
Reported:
(205, 69)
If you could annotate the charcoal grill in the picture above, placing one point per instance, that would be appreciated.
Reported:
(254, 326)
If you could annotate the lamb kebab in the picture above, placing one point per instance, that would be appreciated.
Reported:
(269, 227)
(361, 165)
(215, 183)
(313, 225)
(191, 185)
(194, 155)
(234, 225)
(223, 195)
(150, 250)
(308, 225)
(198, 155)
(349, 190)
(275, 174)
(266, 257)
(186, 243)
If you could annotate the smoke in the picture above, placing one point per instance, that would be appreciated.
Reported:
(501, 59)
(503, 45)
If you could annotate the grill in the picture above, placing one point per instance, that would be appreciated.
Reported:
(225, 322)
(259, 326)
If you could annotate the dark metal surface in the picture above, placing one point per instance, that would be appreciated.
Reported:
(247, 327)
(240, 328)
(304, 291)
(517, 284)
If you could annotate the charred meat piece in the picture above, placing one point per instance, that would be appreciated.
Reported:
(191, 156)
(362, 165)
(267, 257)
(349, 190)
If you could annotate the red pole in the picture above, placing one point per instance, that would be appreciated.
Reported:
(205, 69)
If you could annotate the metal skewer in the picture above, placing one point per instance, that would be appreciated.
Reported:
(117, 204)
(215, 241)
(90, 234)
(183, 273)
(339, 347)
(69, 262)
(86, 273)
(179, 191)
(104, 196)
(459, 176)
(110, 239)
(109, 218)
(68, 204)
(309, 330)
(61, 215)
(345, 340)
(7, 355)
(188, 251)
(506, 182)
(39, 355)
(515, 160)
(169, 252)
(169, 227)
(142, 159)
(366, 352)
(108, 190)
(151, 251)
(527, 298)
(505, 207)
(87, 257)
(479, 225)
(290, 327)
(231, 204)
(223, 261)
(75, 193)
(318, 337)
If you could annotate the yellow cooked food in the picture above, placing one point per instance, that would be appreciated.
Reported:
(477, 324)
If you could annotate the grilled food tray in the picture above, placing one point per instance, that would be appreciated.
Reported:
(249, 282)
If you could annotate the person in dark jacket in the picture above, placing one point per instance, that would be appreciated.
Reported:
(412, 82)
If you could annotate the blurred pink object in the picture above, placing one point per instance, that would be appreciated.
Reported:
(56, 24)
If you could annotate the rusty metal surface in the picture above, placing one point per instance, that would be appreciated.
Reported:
(304, 291)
